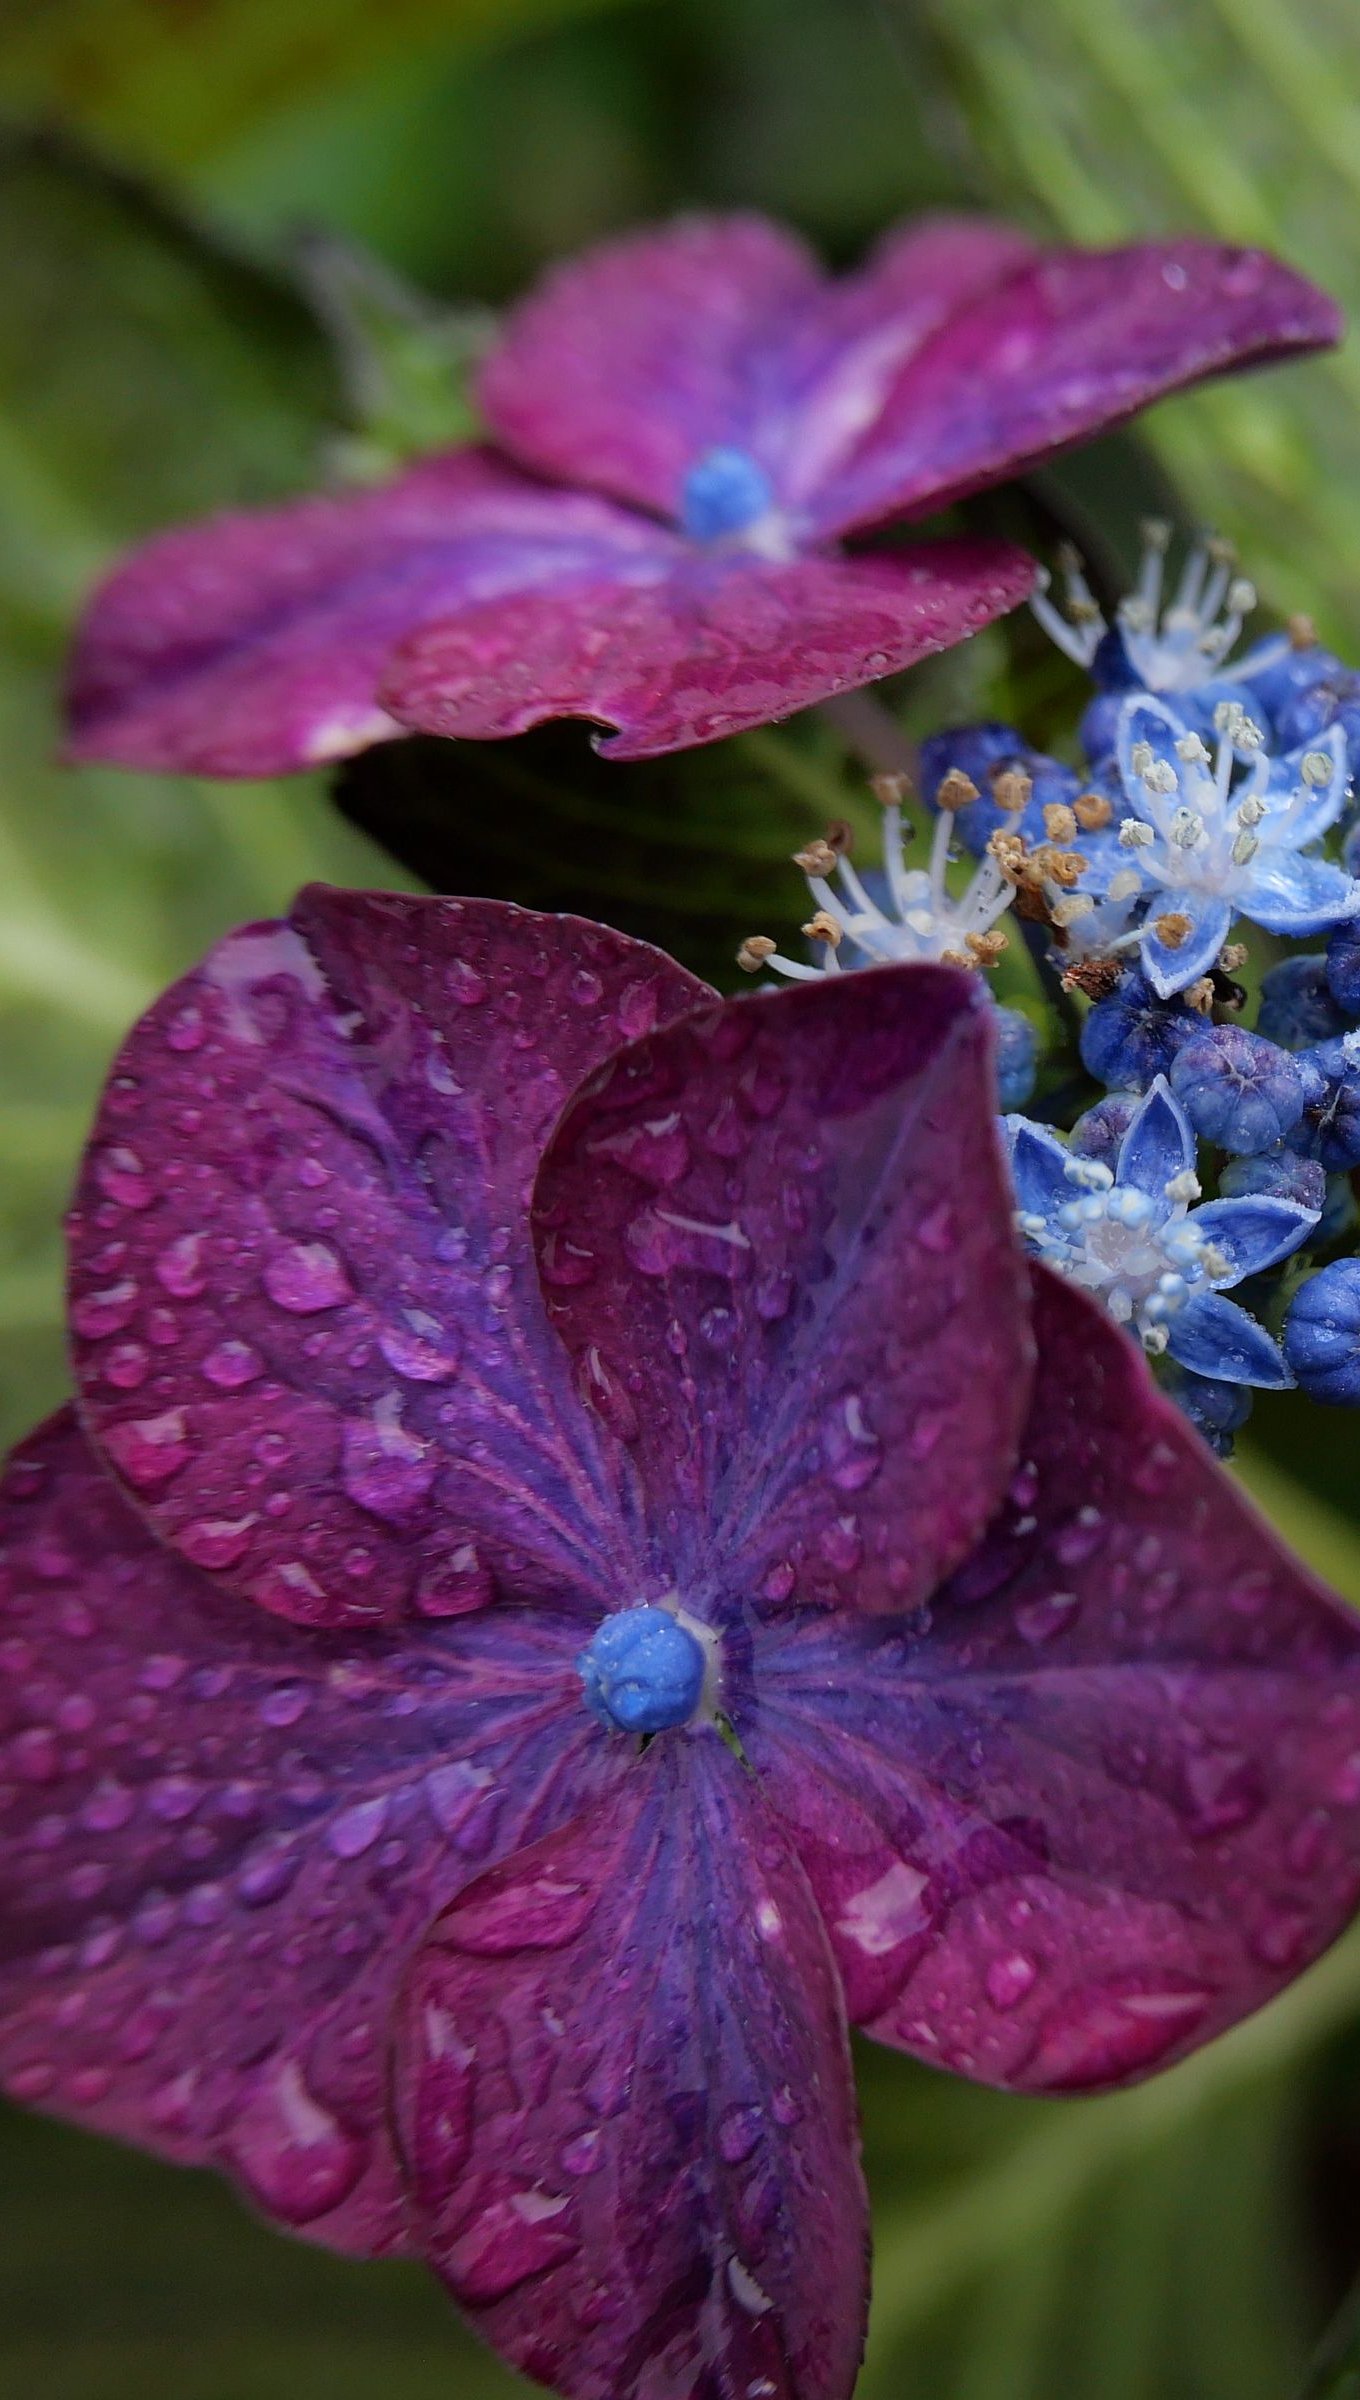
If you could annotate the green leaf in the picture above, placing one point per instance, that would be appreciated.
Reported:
(169, 89)
(1335, 2372)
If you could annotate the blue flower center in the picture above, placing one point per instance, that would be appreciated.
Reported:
(724, 493)
(642, 1671)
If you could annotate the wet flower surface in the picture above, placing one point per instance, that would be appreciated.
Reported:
(584, 1562)
(684, 427)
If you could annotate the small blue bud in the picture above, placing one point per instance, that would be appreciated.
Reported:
(1017, 1056)
(1312, 692)
(1343, 975)
(1216, 1410)
(1322, 1334)
(1132, 1038)
(1298, 1006)
(1281, 1174)
(1339, 1213)
(1238, 1091)
(723, 493)
(1099, 1133)
(642, 1671)
(1329, 1128)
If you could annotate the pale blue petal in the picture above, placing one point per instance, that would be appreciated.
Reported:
(1295, 895)
(1159, 1143)
(1171, 971)
(1253, 1233)
(1213, 1336)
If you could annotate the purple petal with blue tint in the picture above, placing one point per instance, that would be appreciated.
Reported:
(724, 643)
(1254, 1234)
(307, 1324)
(662, 2194)
(221, 1841)
(1061, 348)
(1213, 1336)
(791, 1254)
(256, 643)
(1102, 1799)
(1159, 1144)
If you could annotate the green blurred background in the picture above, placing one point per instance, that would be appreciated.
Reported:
(157, 161)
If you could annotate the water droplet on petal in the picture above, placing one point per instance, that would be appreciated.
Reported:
(456, 1585)
(1008, 1979)
(121, 1175)
(150, 1450)
(294, 2157)
(232, 1364)
(739, 2130)
(356, 1829)
(305, 1278)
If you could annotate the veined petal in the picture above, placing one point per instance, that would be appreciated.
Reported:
(724, 643)
(1101, 1802)
(1294, 895)
(222, 1840)
(1039, 1163)
(1061, 348)
(1173, 969)
(1213, 1336)
(300, 1260)
(1254, 1233)
(665, 2191)
(794, 1229)
(256, 643)
(1286, 780)
(1159, 1144)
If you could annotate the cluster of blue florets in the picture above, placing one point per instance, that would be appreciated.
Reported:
(1200, 1130)
(1230, 1063)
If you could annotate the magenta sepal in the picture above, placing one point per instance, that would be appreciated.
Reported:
(625, 2102)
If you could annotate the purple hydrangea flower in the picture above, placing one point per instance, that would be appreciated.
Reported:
(1160, 1265)
(1239, 1091)
(687, 423)
(491, 1344)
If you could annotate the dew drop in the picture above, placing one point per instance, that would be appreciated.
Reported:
(456, 1585)
(291, 2153)
(1008, 1979)
(306, 1278)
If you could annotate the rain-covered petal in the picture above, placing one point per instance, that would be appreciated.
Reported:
(1060, 349)
(1294, 895)
(721, 645)
(1039, 1163)
(256, 642)
(1255, 1233)
(1302, 807)
(1159, 1144)
(1213, 1336)
(221, 1841)
(662, 2194)
(1102, 1799)
(303, 1299)
(1206, 921)
(791, 1227)
(625, 366)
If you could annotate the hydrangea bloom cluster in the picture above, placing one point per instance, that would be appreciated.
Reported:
(573, 1472)
(609, 1536)
(1209, 798)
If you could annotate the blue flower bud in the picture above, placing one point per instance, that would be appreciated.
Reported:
(1237, 1090)
(643, 1671)
(1217, 1410)
(1280, 1173)
(1100, 1131)
(1132, 1038)
(1339, 1213)
(1343, 975)
(1329, 1128)
(1313, 692)
(1322, 1334)
(1298, 1006)
(1017, 1057)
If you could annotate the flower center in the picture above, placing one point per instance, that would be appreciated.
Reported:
(724, 493)
(645, 1669)
(1172, 645)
